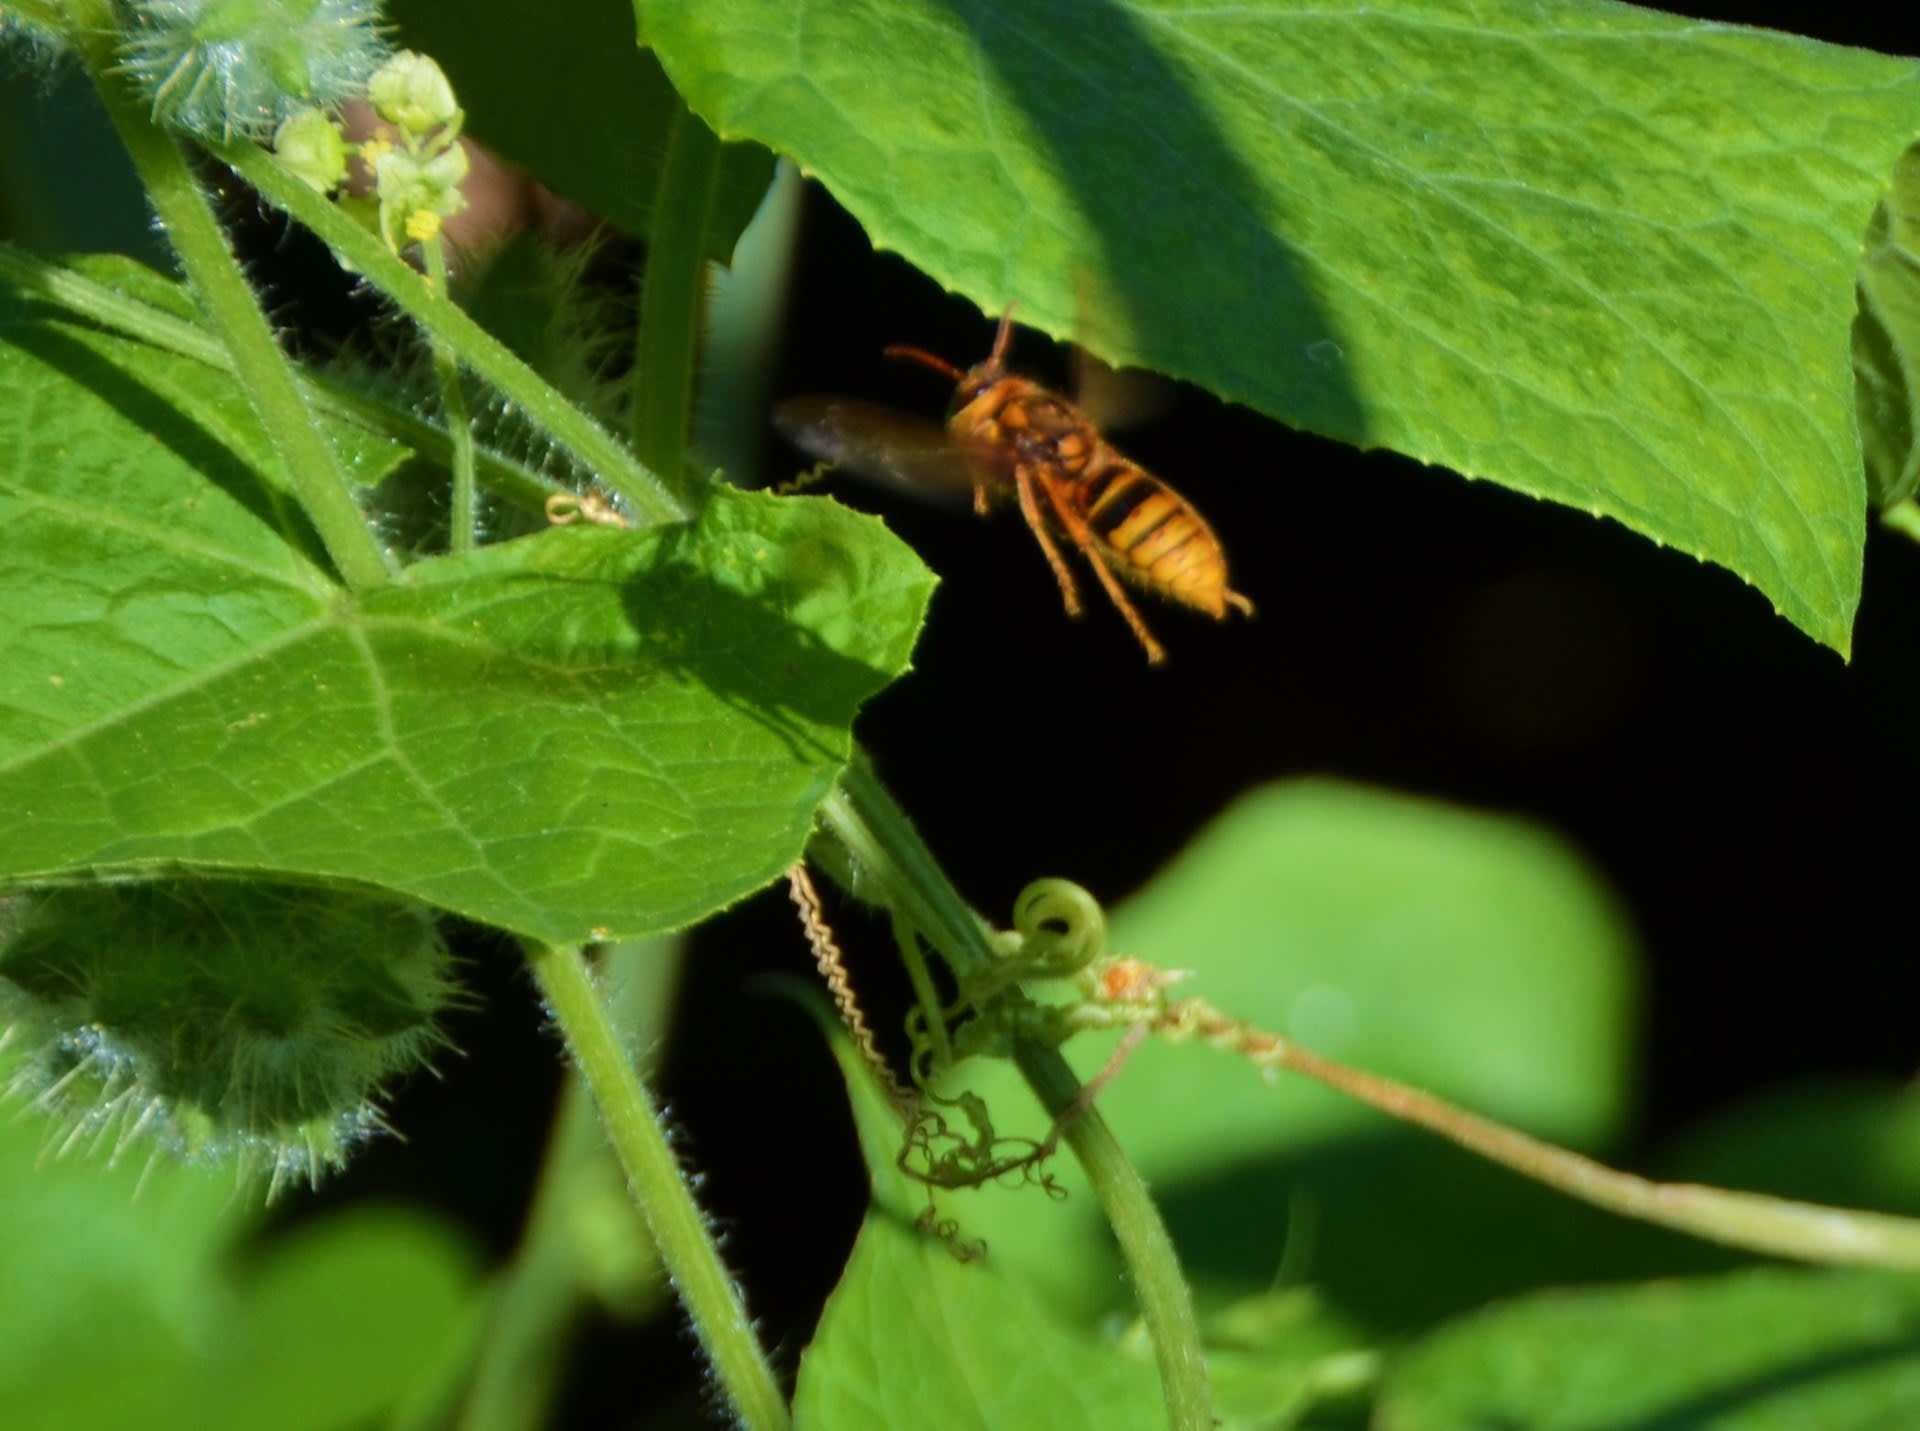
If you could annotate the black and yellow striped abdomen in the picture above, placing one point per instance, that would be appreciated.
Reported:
(1154, 536)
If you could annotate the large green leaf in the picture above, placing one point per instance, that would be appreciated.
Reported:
(563, 91)
(1467, 954)
(1754, 1351)
(581, 731)
(1597, 254)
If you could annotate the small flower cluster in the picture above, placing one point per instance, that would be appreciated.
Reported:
(417, 168)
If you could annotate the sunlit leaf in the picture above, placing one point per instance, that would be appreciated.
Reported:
(1594, 253)
(582, 731)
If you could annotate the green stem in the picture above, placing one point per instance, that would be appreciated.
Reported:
(1778, 1227)
(543, 1290)
(83, 297)
(654, 497)
(462, 523)
(232, 311)
(894, 867)
(670, 295)
(634, 1128)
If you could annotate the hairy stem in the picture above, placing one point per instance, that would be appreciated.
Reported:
(545, 1290)
(655, 497)
(463, 520)
(232, 311)
(86, 298)
(633, 1126)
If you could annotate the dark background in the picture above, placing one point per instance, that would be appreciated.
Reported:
(1748, 794)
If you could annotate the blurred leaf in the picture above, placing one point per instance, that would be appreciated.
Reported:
(1886, 338)
(566, 93)
(1846, 1143)
(1753, 1351)
(102, 1299)
(1596, 254)
(1468, 954)
(388, 1295)
(123, 1310)
(580, 731)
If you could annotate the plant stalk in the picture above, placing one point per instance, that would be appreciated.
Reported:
(633, 1126)
(1777, 1227)
(654, 497)
(462, 521)
(96, 302)
(671, 294)
(892, 865)
(262, 369)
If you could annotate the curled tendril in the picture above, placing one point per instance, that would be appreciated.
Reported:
(947, 1231)
(1061, 928)
(937, 1155)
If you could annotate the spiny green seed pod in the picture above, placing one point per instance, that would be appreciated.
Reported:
(217, 68)
(240, 1022)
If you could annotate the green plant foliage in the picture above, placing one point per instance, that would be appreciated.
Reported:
(1844, 1143)
(565, 92)
(1752, 1351)
(936, 1330)
(580, 732)
(226, 1019)
(1596, 254)
(117, 1310)
(1886, 338)
(1467, 954)
(915, 1336)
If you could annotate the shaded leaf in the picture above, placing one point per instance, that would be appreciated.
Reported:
(1594, 253)
(1886, 338)
(125, 1310)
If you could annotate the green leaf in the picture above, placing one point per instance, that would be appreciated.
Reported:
(582, 732)
(915, 1336)
(912, 1336)
(1755, 1351)
(345, 1320)
(100, 1302)
(1845, 1143)
(125, 1310)
(1886, 339)
(566, 93)
(1597, 254)
(1467, 954)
